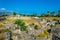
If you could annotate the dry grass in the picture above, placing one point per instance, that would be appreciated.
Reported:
(1, 36)
(51, 18)
(27, 20)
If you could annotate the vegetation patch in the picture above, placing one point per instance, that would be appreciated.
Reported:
(21, 24)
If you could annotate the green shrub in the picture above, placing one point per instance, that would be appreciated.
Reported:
(21, 24)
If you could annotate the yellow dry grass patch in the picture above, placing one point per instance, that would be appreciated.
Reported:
(1, 25)
(1, 36)
(27, 20)
(50, 18)
(45, 33)
(58, 26)
(32, 21)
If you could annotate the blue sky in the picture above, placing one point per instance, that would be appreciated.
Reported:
(30, 6)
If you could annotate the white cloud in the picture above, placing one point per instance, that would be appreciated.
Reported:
(2, 9)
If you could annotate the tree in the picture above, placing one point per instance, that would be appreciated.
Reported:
(34, 14)
(44, 15)
(56, 15)
(59, 13)
(52, 13)
(14, 13)
(48, 13)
